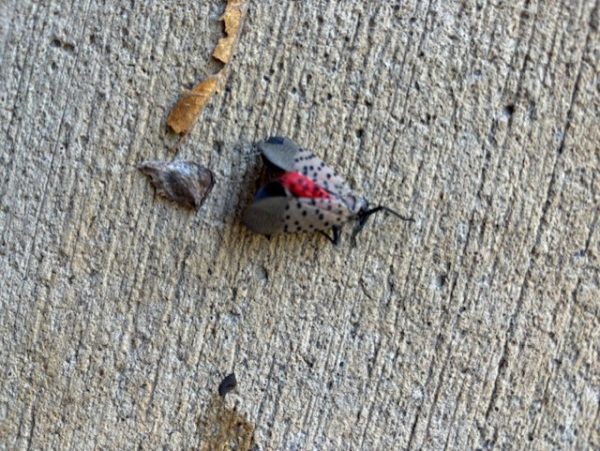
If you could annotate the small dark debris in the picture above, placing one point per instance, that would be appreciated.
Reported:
(509, 110)
(441, 280)
(59, 43)
(227, 384)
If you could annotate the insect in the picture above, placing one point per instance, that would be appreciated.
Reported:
(303, 194)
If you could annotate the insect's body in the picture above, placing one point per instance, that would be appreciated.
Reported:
(301, 186)
(304, 196)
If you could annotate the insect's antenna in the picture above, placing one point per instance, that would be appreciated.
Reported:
(367, 214)
(389, 210)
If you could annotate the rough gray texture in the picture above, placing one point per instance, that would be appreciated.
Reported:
(475, 327)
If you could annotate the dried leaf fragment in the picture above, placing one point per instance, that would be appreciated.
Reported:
(185, 112)
(183, 181)
(232, 17)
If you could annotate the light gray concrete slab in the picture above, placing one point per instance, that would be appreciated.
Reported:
(475, 327)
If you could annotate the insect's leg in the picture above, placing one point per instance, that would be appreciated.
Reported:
(336, 235)
(328, 237)
(359, 226)
(361, 223)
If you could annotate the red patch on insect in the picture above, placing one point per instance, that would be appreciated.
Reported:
(301, 186)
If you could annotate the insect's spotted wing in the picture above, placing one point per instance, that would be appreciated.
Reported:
(314, 168)
(277, 209)
(288, 156)
(303, 214)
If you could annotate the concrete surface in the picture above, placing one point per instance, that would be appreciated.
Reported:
(476, 327)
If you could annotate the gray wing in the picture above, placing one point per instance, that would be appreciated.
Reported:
(266, 215)
(279, 151)
(289, 156)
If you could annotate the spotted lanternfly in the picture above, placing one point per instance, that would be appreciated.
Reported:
(304, 195)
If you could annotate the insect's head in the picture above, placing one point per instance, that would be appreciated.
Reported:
(360, 205)
(364, 213)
